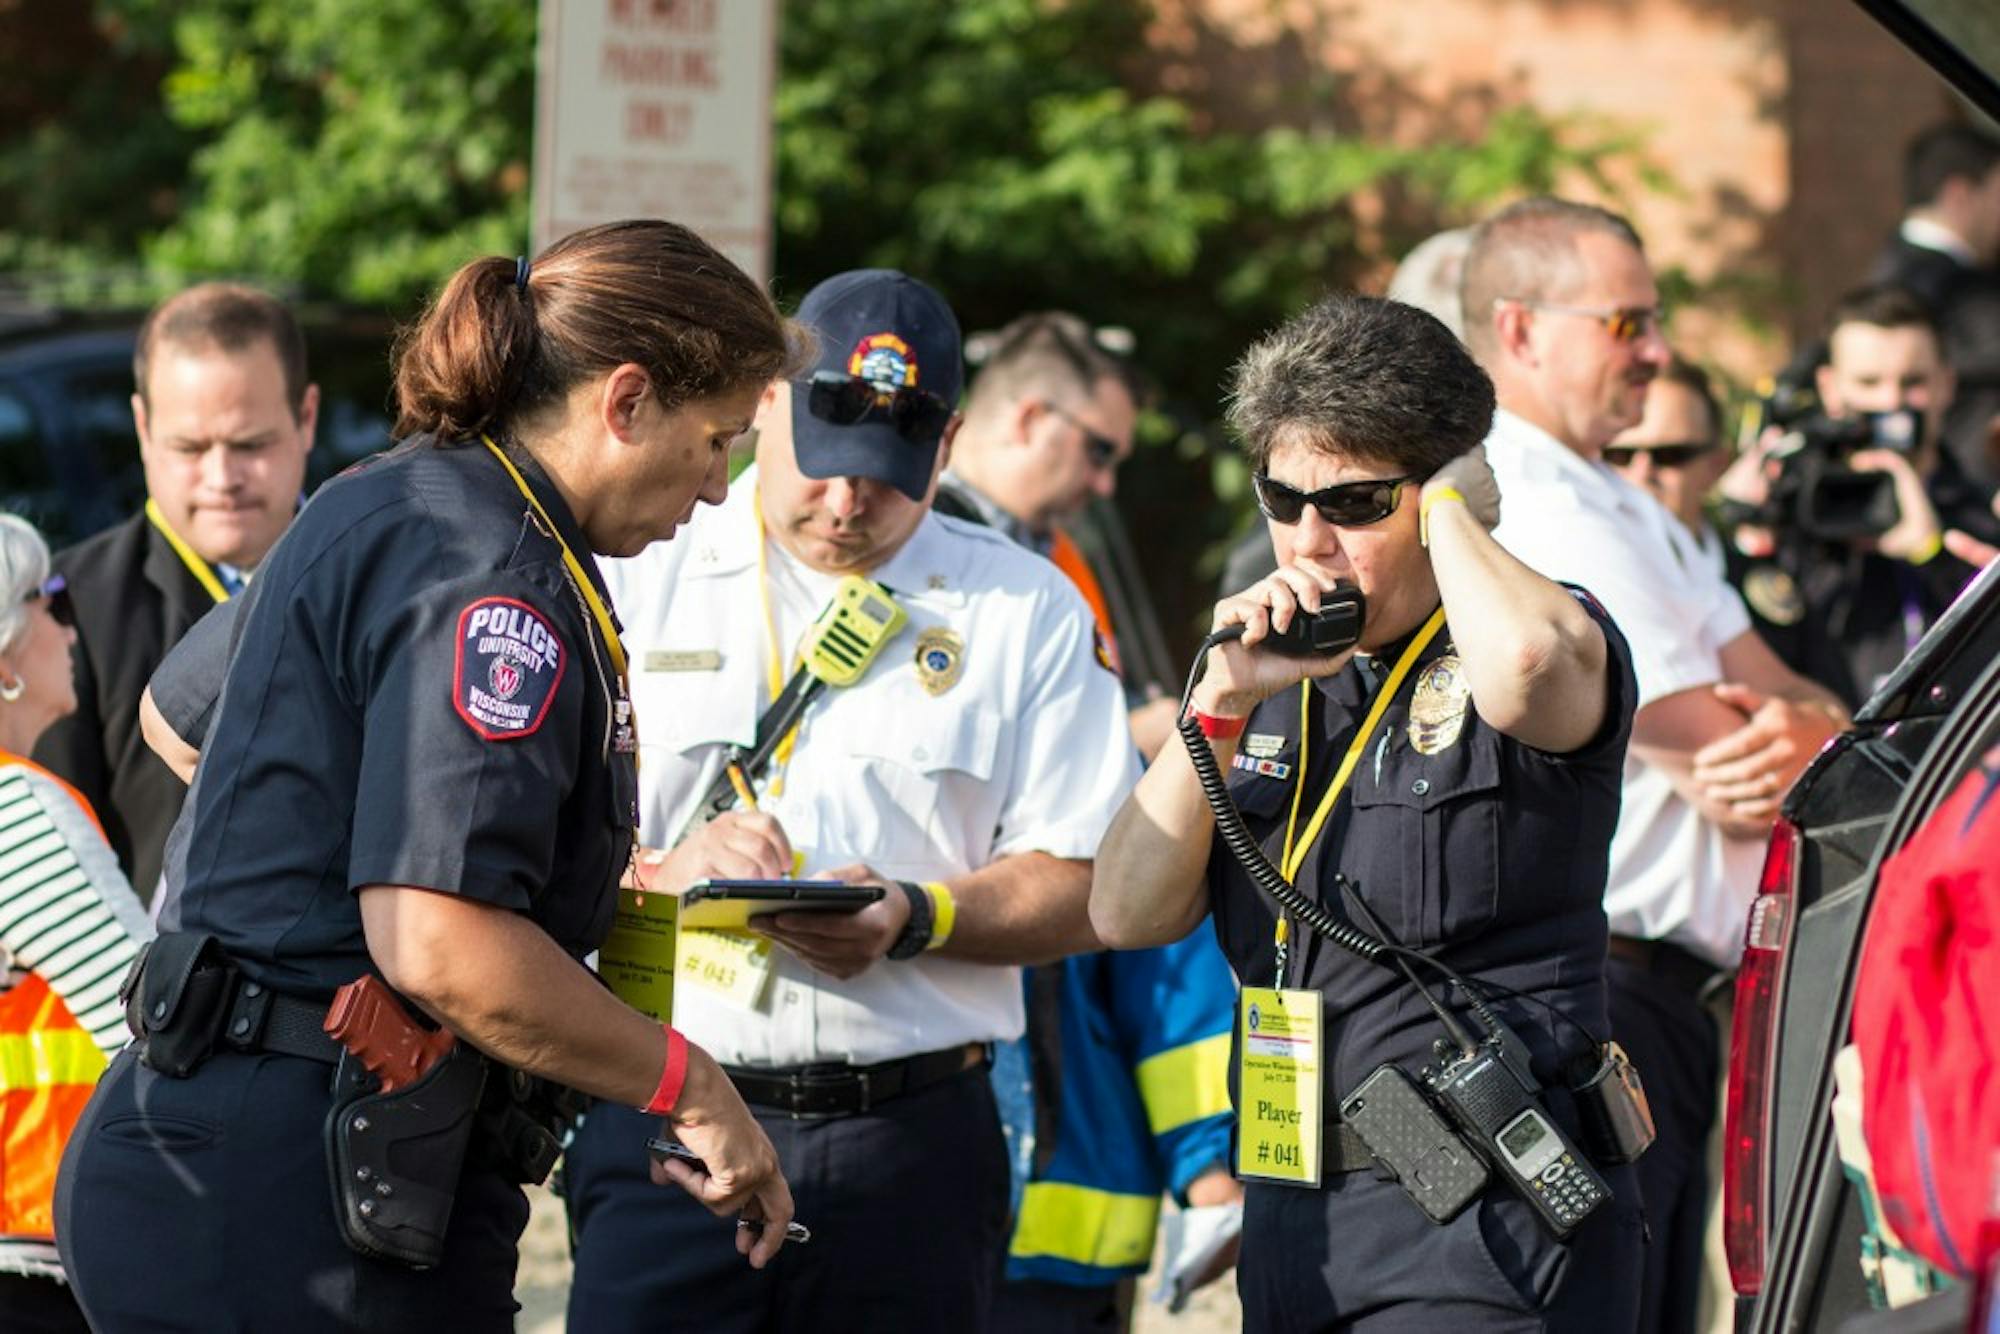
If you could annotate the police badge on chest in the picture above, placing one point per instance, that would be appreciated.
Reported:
(1438, 705)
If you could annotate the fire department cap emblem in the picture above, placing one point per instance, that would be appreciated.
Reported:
(885, 361)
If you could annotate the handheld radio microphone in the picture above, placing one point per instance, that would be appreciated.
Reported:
(1334, 628)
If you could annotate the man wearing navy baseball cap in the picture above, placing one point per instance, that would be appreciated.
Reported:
(882, 396)
(968, 774)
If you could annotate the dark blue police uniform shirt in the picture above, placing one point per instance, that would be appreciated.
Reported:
(1488, 854)
(418, 696)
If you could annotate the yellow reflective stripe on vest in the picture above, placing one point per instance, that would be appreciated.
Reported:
(48, 1057)
(1186, 1083)
(1085, 1226)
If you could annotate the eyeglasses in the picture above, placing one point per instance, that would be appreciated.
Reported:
(1348, 505)
(1625, 324)
(1100, 451)
(55, 590)
(918, 415)
(1677, 455)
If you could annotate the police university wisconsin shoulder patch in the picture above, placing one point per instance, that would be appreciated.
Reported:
(508, 666)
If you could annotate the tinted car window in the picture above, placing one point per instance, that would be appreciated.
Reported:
(99, 402)
(27, 488)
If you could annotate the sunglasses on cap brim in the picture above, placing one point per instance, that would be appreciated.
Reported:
(845, 400)
(1348, 505)
(1663, 456)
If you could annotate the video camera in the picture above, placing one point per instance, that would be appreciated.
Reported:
(1814, 492)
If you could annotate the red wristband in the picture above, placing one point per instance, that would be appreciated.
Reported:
(672, 1077)
(1213, 727)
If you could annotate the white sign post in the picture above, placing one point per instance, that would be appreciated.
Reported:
(657, 109)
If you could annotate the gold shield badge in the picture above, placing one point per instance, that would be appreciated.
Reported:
(940, 659)
(1437, 709)
(1773, 595)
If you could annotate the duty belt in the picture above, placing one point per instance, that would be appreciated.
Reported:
(1694, 977)
(807, 1091)
(264, 1020)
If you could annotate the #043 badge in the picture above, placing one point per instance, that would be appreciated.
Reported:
(507, 666)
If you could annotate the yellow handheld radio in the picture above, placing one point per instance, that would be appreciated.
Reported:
(860, 619)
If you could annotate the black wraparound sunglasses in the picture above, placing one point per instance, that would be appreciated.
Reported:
(843, 400)
(55, 589)
(1100, 450)
(1663, 456)
(1349, 505)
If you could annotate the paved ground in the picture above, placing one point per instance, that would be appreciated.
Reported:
(544, 1286)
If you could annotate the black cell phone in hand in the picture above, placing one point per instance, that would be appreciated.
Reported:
(664, 1149)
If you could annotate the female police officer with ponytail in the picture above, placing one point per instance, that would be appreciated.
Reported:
(1453, 785)
(421, 769)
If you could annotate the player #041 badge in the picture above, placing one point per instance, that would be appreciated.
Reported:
(1437, 708)
(940, 659)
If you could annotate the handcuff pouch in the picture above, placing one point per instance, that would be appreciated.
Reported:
(177, 997)
(395, 1158)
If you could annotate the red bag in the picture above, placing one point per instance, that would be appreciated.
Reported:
(1927, 1023)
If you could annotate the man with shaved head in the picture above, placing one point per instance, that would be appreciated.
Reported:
(1561, 308)
(225, 415)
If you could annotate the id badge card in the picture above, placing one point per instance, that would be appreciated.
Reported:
(1278, 1040)
(637, 958)
(735, 965)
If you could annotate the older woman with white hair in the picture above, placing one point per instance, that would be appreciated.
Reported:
(69, 928)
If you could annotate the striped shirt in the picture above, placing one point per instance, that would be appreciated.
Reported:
(68, 914)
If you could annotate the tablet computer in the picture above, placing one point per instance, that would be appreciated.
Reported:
(730, 904)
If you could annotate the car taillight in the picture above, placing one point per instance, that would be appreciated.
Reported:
(1752, 1053)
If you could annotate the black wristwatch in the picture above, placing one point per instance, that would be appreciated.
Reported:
(916, 937)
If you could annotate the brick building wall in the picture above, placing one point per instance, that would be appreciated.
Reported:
(1781, 122)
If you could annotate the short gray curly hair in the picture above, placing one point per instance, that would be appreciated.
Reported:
(24, 565)
(1363, 376)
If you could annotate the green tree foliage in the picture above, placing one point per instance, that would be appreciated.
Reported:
(1020, 154)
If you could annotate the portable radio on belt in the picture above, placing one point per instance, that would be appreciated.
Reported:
(861, 617)
(1481, 1105)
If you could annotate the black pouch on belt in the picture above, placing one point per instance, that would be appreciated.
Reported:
(176, 998)
(395, 1158)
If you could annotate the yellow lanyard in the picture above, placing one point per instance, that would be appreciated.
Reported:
(774, 670)
(199, 568)
(1295, 857)
(598, 610)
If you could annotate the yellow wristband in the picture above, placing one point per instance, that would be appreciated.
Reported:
(1432, 497)
(944, 912)
(1928, 552)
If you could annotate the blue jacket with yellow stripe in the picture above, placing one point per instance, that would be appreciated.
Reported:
(1135, 1046)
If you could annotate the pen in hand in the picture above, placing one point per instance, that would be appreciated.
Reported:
(670, 1148)
(744, 793)
(794, 1231)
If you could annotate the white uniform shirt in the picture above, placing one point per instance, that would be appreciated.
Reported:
(1027, 751)
(1674, 874)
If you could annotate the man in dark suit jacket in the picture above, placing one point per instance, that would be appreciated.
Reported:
(225, 419)
(1944, 254)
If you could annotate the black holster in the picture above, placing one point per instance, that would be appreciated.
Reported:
(395, 1158)
(177, 997)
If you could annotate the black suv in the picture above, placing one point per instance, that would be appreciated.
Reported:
(1794, 1221)
(69, 458)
